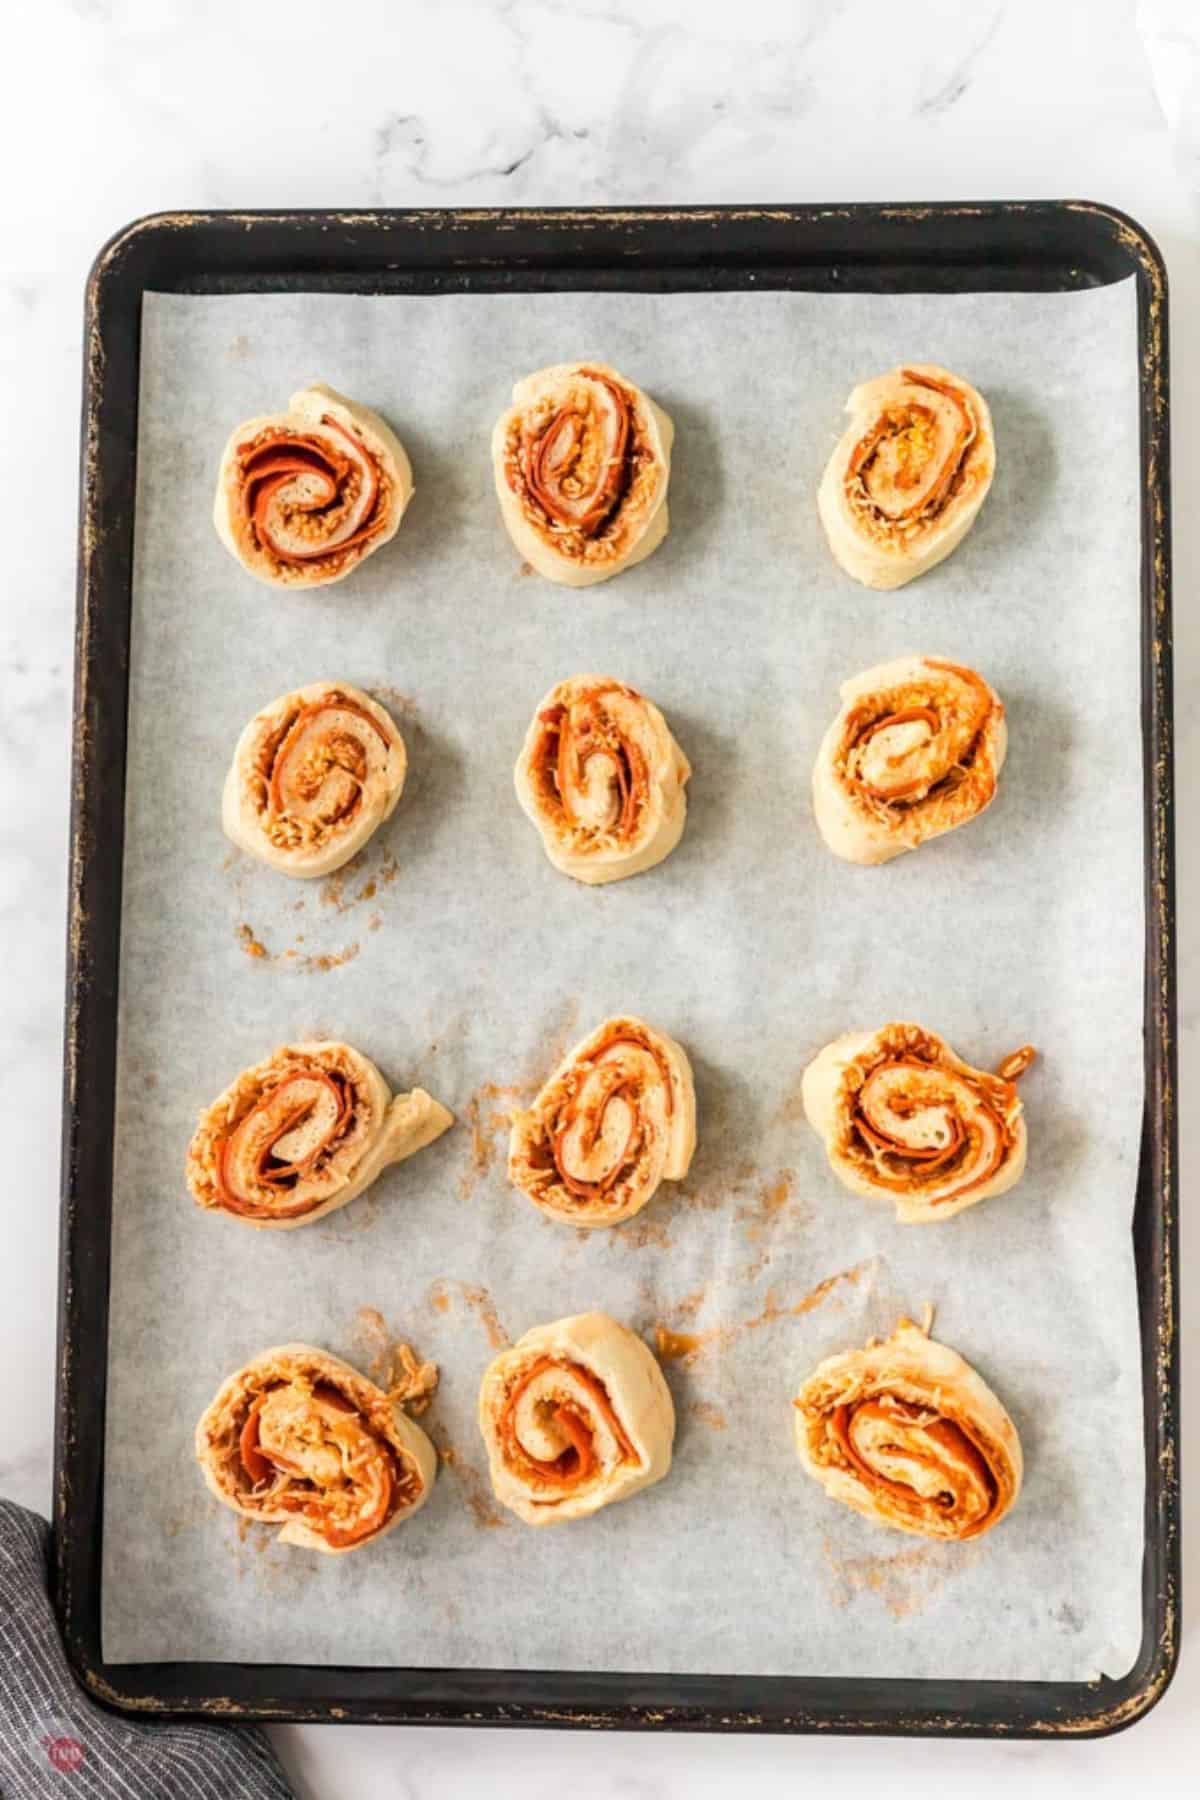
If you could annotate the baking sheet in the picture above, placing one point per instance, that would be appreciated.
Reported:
(454, 955)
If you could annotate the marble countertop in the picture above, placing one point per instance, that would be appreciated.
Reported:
(160, 104)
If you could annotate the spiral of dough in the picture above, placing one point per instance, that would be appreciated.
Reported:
(909, 475)
(602, 778)
(304, 1132)
(574, 1416)
(313, 777)
(304, 496)
(617, 1117)
(905, 1119)
(581, 461)
(906, 1433)
(299, 1438)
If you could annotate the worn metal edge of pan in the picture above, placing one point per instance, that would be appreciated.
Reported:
(885, 248)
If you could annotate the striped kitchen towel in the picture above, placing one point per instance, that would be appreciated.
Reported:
(55, 1742)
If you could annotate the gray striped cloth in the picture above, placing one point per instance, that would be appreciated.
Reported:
(55, 1743)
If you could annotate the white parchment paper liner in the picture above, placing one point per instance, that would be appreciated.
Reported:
(467, 961)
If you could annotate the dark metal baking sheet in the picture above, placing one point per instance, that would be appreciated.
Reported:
(886, 249)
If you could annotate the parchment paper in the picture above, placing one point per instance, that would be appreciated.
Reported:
(454, 955)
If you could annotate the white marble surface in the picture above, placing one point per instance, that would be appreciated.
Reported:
(119, 107)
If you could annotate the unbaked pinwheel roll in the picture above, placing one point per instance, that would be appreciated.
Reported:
(575, 1415)
(300, 1438)
(582, 459)
(915, 751)
(906, 1433)
(313, 776)
(602, 779)
(616, 1118)
(905, 1119)
(304, 1132)
(303, 496)
(909, 474)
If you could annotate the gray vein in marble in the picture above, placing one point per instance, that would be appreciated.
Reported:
(670, 106)
(948, 89)
(405, 138)
(661, 93)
